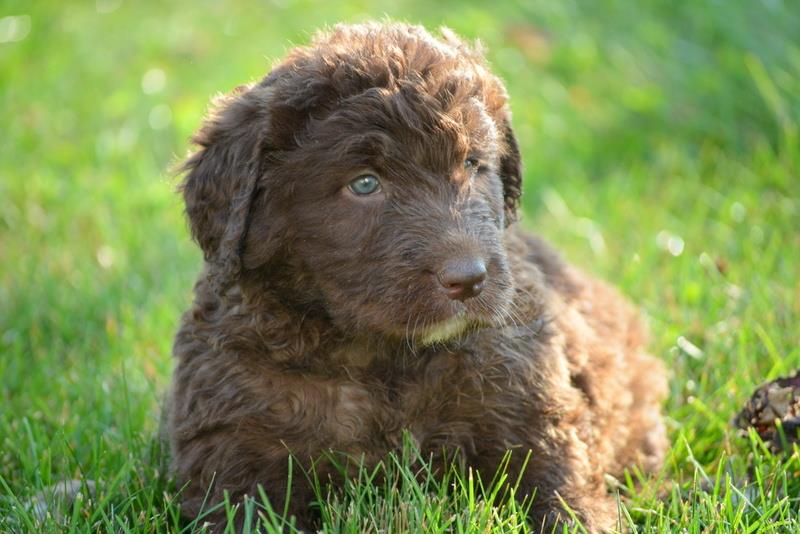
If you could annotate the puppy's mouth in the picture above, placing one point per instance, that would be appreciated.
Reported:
(426, 314)
(446, 319)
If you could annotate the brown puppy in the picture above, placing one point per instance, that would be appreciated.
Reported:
(364, 279)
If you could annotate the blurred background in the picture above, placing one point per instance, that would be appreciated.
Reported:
(660, 142)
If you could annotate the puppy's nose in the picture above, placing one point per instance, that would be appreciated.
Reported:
(463, 278)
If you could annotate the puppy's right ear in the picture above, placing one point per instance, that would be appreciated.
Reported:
(222, 177)
(510, 170)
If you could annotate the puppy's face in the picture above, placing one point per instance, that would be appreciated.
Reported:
(397, 214)
(385, 202)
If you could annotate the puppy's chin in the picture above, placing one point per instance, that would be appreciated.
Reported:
(445, 330)
(449, 320)
(453, 327)
(437, 331)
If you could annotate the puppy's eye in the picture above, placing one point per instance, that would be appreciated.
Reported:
(471, 163)
(364, 185)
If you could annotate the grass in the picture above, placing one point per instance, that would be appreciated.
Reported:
(661, 149)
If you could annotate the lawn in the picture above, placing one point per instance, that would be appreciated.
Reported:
(662, 152)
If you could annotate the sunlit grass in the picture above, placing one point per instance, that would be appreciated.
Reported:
(661, 150)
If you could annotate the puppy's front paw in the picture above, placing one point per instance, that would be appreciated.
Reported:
(591, 516)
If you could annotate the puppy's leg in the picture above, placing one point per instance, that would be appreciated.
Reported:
(648, 441)
(237, 463)
(517, 396)
(555, 471)
(573, 494)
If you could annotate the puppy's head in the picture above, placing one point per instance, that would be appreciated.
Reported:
(371, 174)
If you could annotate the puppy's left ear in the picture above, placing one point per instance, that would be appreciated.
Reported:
(510, 170)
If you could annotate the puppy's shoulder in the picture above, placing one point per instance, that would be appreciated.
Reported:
(566, 291)
(537, 266)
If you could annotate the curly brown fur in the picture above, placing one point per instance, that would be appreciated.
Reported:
(321, 323)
